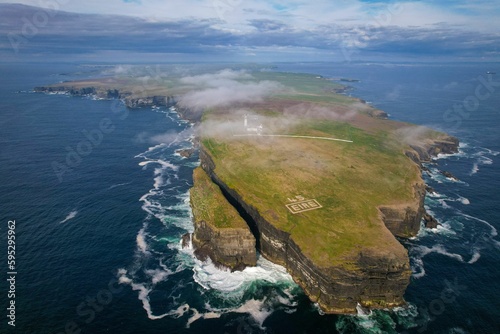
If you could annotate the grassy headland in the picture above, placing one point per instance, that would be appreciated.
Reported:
(210, 205)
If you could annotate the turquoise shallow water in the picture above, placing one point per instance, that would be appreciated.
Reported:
(98, 247)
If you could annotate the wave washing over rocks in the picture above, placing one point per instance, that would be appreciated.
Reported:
(160, 263)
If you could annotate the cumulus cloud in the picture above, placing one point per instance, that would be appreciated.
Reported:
(225, 88)
(281, 37)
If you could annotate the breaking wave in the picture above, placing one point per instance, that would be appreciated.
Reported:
(70, 216)
(198, 290)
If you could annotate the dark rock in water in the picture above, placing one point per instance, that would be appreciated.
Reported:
(429, 189)
(186, 240)
(202, 253)
(430, 222)
(186, 153)
(449, 175)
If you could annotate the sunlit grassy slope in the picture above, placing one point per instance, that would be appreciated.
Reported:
(209, 204)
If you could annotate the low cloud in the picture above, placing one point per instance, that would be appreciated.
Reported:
(235, 126)
(412, 135)
(223, 77)
(305, 110)
(163, 138)
(225, 88)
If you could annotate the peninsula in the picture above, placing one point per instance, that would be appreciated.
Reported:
(313, 180)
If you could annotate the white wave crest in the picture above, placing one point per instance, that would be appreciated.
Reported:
(259, 310)
(439, 249)
(119, 185)
(444, 204)
(158, 275)
(493, 232)
(163, 163)
(197, 315)
(70, 216)
(435, 194)
(464, 201)
(417, 268)
(141, 241)
(210, 277)
(475, 169)
(475, 256)
(483, 157)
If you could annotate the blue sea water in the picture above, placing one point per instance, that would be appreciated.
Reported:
(100, 200)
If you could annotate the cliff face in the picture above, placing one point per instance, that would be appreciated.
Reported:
(404, 220)
(230, 248)
(424, 151)
(129, 99)
(219, 231)
(373, 279)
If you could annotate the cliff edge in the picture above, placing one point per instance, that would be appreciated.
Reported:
(219, 232)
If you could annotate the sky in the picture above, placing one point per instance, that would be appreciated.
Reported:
(242, 30)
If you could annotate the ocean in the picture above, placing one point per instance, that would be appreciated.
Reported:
(100, 201)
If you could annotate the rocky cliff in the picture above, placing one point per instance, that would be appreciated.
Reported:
(404, 220)
(426, 149)
(131, 100)
(373, 279)
(219, 231)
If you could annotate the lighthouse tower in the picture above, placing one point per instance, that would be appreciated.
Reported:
(245, 122)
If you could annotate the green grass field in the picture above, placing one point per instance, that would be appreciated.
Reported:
(348, 179)
(209, 204)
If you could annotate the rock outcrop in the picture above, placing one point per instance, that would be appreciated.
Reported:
(219, 231)
(430, 222)
(229, 248)
(423, 152)
(404, 220)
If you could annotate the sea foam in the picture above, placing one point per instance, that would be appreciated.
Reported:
(70, 216)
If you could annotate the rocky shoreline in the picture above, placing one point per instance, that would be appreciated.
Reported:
(371, 280)
(130, 101)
